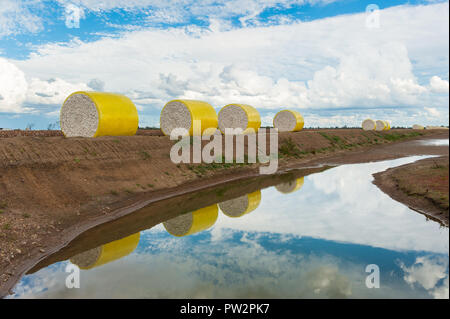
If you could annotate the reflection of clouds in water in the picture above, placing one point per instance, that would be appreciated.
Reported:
(428, 272)
(434, 142)
(242, 267)
(329, 281)
(34, 285)
(342, 204)
(244, 271)
(238, 257)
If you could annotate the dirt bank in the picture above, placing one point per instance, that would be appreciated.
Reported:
(53, 189)
(422, 186)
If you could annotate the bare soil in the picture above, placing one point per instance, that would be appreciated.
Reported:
(422, 186)
(53, 188)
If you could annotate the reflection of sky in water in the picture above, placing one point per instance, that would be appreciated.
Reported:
(314, 242)
(434, 142)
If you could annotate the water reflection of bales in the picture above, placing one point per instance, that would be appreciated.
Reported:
(242, 205)
(191, 223)
(290, 186)
(106, 253)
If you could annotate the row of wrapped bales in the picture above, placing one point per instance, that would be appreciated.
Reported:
(183, 113)
(94, 114)
(429, 127)
(378, 125)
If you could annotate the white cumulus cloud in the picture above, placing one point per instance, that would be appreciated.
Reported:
(17, 94)
(13, 87)
(438, 85)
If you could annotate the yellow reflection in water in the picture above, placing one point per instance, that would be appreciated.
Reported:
(242, 205)
(106, 253)
(290, 186)
(193, 222)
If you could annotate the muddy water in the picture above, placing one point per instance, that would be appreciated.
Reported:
(307, 237)
(434, 142)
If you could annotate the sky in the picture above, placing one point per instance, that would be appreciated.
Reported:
(336, 62)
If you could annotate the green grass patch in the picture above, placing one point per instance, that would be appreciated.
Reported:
(289, 148)
(398, 136)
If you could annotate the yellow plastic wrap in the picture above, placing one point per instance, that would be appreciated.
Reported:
(116, 250)
(117, 115)
(254, 119)
(202, 219)
(298, 119)
(200, 111)
(387, 127)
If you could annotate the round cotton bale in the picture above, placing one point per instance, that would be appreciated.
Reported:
(194, 222)
(418, 127)
(242, 205)
(241, 116)
(107, 253)
(290, 186)
(380, 125)
(183, 113)
(368, 125)
(388, 126)
(288, 121)
(94, 114)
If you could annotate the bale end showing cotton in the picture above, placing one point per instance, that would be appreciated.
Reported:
(239, 116)
(288, 121)
(235, 207)
(79, 116)
(197, 117)
(180, 225)
(368, 125)
(87, 259)
(380, 125)
(175, 114)
(93, 114)
(290, 186)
